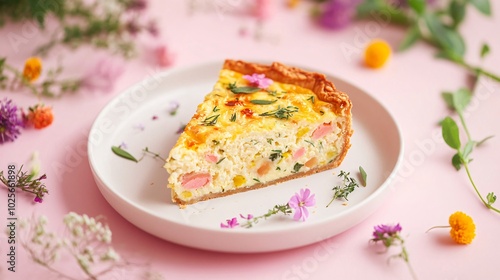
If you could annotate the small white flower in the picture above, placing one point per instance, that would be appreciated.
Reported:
(110, 255)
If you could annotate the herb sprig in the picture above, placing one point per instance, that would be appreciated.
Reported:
(349, 184)
(25, 182)
(282, 208)
(210, 121)
(246, 89)
(119, 151)
(281, 112)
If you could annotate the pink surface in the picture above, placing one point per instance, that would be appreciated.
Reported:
(426, 191)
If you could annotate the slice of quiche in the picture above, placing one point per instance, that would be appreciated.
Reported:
(260, 125)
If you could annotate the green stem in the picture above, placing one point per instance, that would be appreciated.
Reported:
(23, 80)
(476, 189)
(462, 120)
(478, 70)
(436, 227)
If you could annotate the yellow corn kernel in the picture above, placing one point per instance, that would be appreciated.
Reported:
(239, 180)
(302, 131)
(186, 194)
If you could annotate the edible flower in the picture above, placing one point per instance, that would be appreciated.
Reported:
(389, 235)
(377, 53)
(258, 80)
(10, 122)
(337, 14)
(40, 116)
(230, 223)
(299, 202)
(32, 69)
(463, 229)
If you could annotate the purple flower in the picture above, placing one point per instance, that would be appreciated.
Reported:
(173, 106)
(337, 14)
(258, 80)
(299, 202)
(10, 122)
(137, 5)
(230, 223)
(38, 199)
(180, 129)
(103, 74)
(382, 232)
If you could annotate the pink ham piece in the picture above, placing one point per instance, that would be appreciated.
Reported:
(211, 158)
(195, 180)
(322, 130)
(300, 152)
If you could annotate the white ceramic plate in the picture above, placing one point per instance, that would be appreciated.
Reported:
(139, 118)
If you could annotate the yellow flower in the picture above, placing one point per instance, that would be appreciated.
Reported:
(463, 229)
(32, 69)
(377, 53)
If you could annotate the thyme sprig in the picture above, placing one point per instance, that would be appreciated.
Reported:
(25, 182)
(283, 208)
(348, 185)
(210, 121)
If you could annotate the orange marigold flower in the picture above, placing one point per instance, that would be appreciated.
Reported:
(40, 116)
(293, 3)
(32, 69)
(377, 53)
(463, 229)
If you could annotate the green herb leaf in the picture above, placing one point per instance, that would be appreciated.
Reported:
(482, 5)
(467, 149)
(297, 167)
(450, 133)
(410, 39)
(417, 5)
(347, 187)
(220, 160)
(281, 113)
(235, 89)
(215, 109)
(210, 121)
(448, 99)
(233, 117)
(311, 98)
(479, 143)
(456, 161)
(457, 12)
(262, 102)
(363, 176)
(122, 153)
(275, 155)
(491, 198)
(461, 98)
(449, 40)
(485, 50)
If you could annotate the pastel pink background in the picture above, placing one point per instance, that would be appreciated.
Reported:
(409, 86)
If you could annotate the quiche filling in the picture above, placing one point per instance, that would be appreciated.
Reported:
(247, 134)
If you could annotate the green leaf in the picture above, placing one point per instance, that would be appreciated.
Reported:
(481, 142)
(461, 98)
(485, 50)
(450, 133)
(482, 5)
(469, 146)
(122, 153)
(457, 12)
(448, 99)
(456, 161)
(363, 176)
(451, 43)
(410, 39)
(262, 102)
(418, 6)
(491, 198)
(235, 89)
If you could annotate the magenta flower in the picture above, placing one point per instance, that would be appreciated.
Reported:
(299, 202)
(10, 122)
(230, 223)
(337, 14)
(382, 231)
(258, 80)
(38, 199)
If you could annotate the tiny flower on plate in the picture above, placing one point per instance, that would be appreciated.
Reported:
(299, 202)
(462, 228)
(32, 69)
(10, 121)
(230, 223)
(258, 80)
(40, 116)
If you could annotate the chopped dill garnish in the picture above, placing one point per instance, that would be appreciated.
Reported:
(297, 167)
(215, 109)
(210, 121)
(281, 113)
(311, 98)
(220, 160)
(233, 117)
(310, 142)
(270, 140)
(275, 155)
